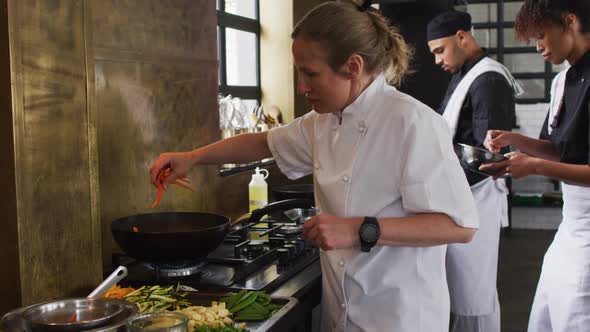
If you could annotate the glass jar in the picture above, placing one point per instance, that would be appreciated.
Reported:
(159, 322)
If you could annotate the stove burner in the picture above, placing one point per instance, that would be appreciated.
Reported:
(255, 246)
(290, 230)
(177, 269)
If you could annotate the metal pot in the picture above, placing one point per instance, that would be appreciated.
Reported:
(39, 317)
(88, 314)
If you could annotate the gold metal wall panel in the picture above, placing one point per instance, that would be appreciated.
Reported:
(156, 91)
(56, 241)
(10, 276)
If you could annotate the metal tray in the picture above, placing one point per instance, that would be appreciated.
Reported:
(288, 303)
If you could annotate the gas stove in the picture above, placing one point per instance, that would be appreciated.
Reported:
(258, 256)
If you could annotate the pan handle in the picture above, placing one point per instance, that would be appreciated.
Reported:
(115, 277)
(284, 205)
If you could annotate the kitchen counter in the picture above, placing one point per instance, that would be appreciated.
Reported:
(306, 287)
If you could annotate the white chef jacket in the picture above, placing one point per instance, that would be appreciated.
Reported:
(385, 155)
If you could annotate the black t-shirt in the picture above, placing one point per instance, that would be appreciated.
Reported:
(570, 134)
(489, 104)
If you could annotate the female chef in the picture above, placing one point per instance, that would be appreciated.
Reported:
(561, 29)
(390, 190)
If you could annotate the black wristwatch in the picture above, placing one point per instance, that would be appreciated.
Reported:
(369, 233)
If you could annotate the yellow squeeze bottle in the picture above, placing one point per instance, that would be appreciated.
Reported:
(258, 190)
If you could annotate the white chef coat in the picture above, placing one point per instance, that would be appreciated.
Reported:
(385, 155)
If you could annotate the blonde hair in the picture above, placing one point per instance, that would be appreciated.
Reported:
(345, 28)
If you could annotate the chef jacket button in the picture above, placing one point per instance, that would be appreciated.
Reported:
(362, 126)
(341, 263)
(345, 178)
(316, 166)
(343, 305)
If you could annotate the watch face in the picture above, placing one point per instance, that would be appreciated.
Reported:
(370, 233)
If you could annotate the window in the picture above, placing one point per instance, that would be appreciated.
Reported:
(493, 23)
(238, 49)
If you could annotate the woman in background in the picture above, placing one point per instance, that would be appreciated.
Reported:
(561, 29)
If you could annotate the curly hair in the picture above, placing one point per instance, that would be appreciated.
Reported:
(535, 13)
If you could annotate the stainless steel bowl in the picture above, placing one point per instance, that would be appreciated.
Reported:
(300, 216)
(472, 157)
(88, 313)
(15, 322)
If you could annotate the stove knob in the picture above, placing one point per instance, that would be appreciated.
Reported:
(292, 250)
(283, 256)
(299, 246)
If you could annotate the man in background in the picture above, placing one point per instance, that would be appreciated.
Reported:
(480, 97)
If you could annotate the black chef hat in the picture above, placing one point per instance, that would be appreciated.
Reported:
(447, 24)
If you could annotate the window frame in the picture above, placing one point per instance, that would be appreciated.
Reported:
(241, 23)
(500, 51)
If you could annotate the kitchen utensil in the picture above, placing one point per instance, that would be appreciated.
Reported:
(110, 281)
(104, 286)
(259, 116)
(159, 322)
(303, 191)
(283, 205)
(170, 236)
(90, 313)
(472, 157)
(300, 216)
(274, 113)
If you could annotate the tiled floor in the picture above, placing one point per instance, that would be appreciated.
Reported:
(519, 266)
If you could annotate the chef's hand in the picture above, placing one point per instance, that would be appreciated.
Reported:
(331, 232)
(518, 165)
(497, 139)
(178, 162)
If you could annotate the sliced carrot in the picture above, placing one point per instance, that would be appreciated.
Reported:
(184, 179)
(161, 178)
(176, 182)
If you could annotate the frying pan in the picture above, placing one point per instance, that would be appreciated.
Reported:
(170, 236)
(472, 157)
(302, 191)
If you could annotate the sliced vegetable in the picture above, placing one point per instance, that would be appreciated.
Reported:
(158, 298)
(117, 292)
(161, 178)
(250, 305)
